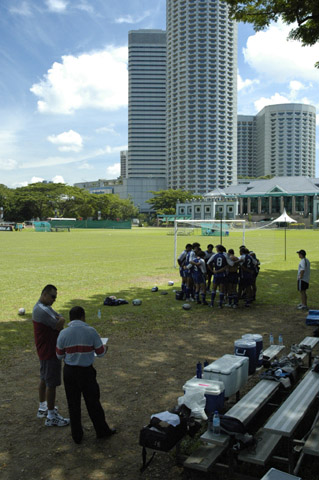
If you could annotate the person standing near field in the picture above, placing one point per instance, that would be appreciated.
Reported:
(303, 279)
(47, 324)
(77, 344)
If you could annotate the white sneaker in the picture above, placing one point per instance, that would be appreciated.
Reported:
(302, 307)
(57, 421)
(43, 413)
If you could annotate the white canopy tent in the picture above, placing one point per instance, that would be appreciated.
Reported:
(284, 218)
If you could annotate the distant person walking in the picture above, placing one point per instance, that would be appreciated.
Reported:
(77, 344)
(303, 279)
(47, 324)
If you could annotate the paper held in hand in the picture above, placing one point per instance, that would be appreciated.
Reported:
(104, 341)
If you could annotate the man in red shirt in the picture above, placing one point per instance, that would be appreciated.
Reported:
(47, 324)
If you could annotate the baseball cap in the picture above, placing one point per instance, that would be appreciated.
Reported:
(302, 252)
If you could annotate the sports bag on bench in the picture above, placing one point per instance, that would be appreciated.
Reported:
(240, 437)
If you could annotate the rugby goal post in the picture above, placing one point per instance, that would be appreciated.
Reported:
(208, 228)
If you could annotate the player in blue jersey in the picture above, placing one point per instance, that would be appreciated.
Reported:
(199, 277)
(256, 272)
(218, 265)
(181, 262)
(232, 279)
(208, 254)
(188, 270)
(246, 275)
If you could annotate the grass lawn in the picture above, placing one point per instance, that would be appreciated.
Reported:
(153, 348)
(88, 265)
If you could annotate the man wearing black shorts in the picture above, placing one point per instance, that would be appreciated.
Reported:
(47, 324)
(303, 279)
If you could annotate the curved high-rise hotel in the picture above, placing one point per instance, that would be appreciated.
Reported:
(286, 140)
(201, 95)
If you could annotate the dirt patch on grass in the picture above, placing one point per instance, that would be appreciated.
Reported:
(138, 377)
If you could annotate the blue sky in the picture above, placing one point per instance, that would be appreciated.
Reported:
(63, 83)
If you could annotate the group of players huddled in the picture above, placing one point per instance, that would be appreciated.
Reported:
(234, 277)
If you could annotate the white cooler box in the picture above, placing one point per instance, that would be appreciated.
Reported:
(229, 369)
(213, 390)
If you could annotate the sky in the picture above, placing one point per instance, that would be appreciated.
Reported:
(64, 83)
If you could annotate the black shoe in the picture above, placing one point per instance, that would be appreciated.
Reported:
(111, 432)
(199, 302)
(204, 302)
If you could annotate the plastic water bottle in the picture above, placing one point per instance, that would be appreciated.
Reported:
(271, 339)
(99, 314)
(216, 423)
(280, 340)
(199, 370)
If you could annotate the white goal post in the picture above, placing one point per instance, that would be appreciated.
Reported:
(218, 228)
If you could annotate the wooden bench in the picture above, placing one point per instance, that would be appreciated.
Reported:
(286, 419)
(274, 474)
(289, 415)
(244, 410)
(312, 443)
(267, 442)
(271, 352)
(204, 457)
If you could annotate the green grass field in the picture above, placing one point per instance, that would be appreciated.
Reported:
(88, 265)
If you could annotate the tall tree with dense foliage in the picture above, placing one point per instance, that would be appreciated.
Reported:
(164, 201)
(42, 201)
(305, 13)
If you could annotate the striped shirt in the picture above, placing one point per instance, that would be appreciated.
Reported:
(77, 344)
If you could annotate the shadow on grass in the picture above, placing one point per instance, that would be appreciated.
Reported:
(153, 351)
(162, 313)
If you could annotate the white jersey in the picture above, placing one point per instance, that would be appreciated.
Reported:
(304, 265)
(182, 257)
(202, 265)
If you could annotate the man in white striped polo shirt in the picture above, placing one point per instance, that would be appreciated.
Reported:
(77, 344)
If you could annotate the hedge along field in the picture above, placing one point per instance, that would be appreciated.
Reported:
(88, 265)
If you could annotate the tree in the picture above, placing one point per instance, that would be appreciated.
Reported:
(164, 201)
(262, 12)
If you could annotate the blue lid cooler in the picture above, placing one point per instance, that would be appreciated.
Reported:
(259, 346)
(247, 348)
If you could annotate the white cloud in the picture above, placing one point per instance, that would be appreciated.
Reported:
(8, 164)
(272, 55)
(114, 170)
(133, 19)
(56, 5)
(108, 129)
(23, 9)
(273, 100)
(109, 150)
(91, 80)
(58, 179)
(85, 7)
(70, 141)
(85, 166)
(36, 180)
(241, 84)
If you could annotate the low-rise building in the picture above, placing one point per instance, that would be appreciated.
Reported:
(258, 200)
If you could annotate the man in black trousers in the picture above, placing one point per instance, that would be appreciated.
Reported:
(77, 344)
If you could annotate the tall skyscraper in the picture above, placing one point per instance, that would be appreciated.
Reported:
(201, 95)
(147, 104)
(123, 158)
(286, 140)
(246, 145)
